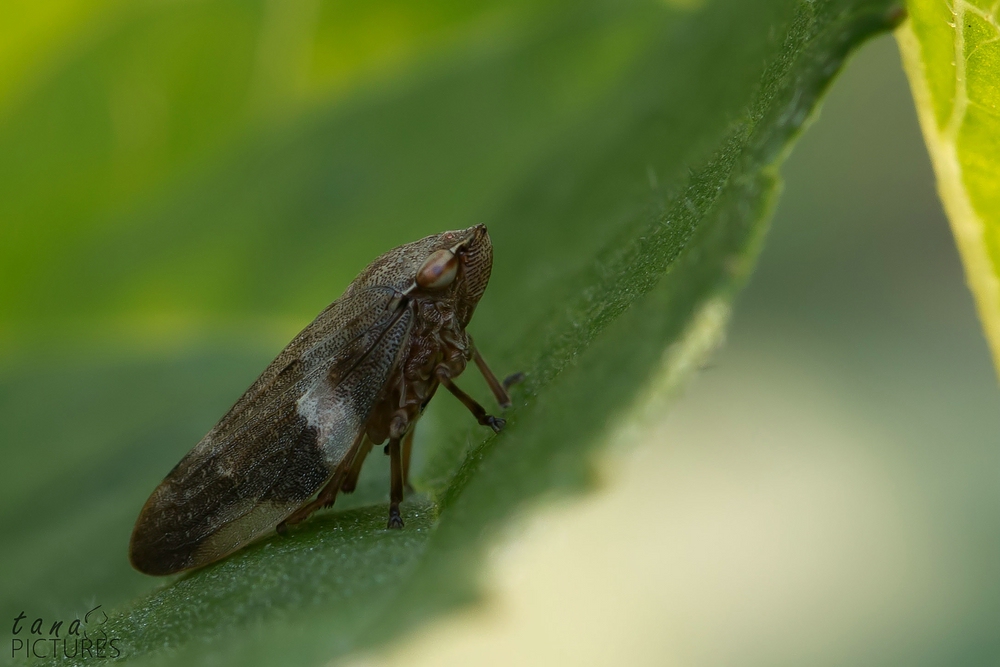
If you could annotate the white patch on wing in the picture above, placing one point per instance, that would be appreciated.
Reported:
(333, 416)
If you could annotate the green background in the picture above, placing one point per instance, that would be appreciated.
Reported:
(856, 381)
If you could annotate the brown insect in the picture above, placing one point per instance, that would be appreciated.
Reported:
(359, 375)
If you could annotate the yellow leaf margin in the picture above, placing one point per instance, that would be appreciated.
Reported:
(951, 54)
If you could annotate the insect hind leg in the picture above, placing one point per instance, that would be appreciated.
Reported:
(325, 498)
(328, 494)
(350, 482)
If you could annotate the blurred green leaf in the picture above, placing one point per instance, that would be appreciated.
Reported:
(952, 56)
(192, 187)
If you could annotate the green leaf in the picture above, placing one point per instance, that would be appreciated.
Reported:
(951, 52)
(194, 184)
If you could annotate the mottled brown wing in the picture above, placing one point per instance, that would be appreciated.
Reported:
(281, 441)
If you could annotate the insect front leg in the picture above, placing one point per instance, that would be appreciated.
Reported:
(495, 423)
(498, 388)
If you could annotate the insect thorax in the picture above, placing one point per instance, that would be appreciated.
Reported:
(436, 339)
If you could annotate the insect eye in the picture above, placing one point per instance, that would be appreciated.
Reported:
(438, 270)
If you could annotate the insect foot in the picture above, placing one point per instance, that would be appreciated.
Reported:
(395, 520)
(495, 423)
(512, 379)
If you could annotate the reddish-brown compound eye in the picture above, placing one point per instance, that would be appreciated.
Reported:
(438, 270)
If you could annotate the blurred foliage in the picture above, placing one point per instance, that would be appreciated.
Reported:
(951, 51)
(184, 185)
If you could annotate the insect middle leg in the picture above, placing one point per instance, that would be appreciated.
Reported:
(396, 484)
(406, 447)
(398, 428)
(478, 411)
(407, 450)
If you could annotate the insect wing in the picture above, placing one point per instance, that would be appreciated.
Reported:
(281, 441)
